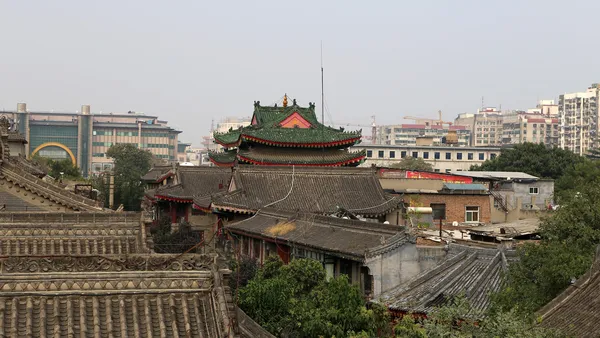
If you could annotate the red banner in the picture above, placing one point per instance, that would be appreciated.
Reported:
(435, 176)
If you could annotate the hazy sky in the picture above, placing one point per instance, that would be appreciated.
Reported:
(193, 61)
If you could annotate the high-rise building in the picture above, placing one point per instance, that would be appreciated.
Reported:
(578, 113)
(407, 134)
(84, 137)
(531, 126)
(485, 127)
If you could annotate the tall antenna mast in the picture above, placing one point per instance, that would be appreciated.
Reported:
(322, 90)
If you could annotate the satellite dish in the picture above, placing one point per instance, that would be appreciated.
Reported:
(455, 223)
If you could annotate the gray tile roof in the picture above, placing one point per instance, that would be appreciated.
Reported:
(15, 174)
(318, 190)
(350, 239)
(474, 272)
(41, 235)
(115, 296)
(196, 182)
(155, 173)
(576, 311)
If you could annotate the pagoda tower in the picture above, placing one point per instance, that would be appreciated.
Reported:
(287, 135)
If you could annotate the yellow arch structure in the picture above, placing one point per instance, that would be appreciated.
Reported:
(55, 144)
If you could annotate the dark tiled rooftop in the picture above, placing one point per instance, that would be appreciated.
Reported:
(317, 190)
(576, 311)
(348, 238)
(471, 271)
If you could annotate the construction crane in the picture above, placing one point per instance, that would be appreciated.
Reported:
(429, 122)
(373, 126)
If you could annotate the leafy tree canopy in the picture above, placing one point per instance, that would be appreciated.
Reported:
(412, 163)
(130, 164)
(453, 320)
(296, 300)
(534, 159)
(566, 251)
(56, 167)
(167, 241)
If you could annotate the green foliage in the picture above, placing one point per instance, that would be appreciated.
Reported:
(178, 241)
(566, 251)
(534, 159)
(576, 176)
(412, 163)
(56, 167)
(244, 270)
(296, 300)
(131, 164)
(454, 320)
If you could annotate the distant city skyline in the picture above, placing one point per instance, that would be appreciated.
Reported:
(192, 62)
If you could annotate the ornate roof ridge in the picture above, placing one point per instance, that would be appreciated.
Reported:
(299, 170)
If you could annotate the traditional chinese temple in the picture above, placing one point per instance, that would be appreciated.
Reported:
(287, 135)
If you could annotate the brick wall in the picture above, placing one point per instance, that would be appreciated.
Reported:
(455, 205)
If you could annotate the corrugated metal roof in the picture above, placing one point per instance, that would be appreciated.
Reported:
(505, 175)
(464, 186)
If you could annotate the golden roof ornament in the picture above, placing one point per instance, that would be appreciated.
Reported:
(284, 100)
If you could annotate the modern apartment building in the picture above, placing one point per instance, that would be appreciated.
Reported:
(578, 113)
(485, 127)
(407, 134)
(84, 137)
(531, 126)
(442, 158)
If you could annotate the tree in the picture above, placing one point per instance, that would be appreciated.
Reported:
(296, 300)
(412, 163)
(180, 241)
(534, 159)
(566, 251)
(56, 167)
(575, 177)
(455, 320)
(130, 164)
(243, 271)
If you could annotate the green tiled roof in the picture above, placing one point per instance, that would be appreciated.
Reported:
(300, 136)
(222, 157)
(268, 130)
(229, 137)
(328, 156)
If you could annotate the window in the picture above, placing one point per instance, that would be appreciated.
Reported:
(380, 154)
(392, 154)
(481, 156)
(415, 154)
(447, 170)
(492, 156)
(436, 170)
(426, 154)
(471, 214)
(436, 155)
(448, 156)
(402, 154)
(369, 153)
(459, 156)
(470, 156)
(534, 190)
